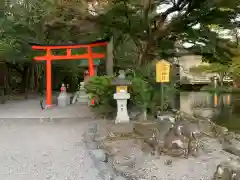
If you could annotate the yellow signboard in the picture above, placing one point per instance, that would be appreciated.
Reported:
(162, 71)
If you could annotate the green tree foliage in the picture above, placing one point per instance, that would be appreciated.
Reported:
(231, 68)
(30, 21)
(101, 90)
(142, 30)
(155, 33)
(220, 69)
(151, 26)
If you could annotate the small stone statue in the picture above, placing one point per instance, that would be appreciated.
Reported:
(63, 98)
(63, 88)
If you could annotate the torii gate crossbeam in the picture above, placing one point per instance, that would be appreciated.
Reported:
(49, 57)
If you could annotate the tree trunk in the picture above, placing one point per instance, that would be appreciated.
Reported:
(25, 78)
(145, 115)
(32, 78)
(9, 88)
(3, 83)
(144, 57)
(109, 58)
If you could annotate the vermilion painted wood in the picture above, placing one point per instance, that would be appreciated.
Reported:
(70, 57)
(50, 57)
(69, 46)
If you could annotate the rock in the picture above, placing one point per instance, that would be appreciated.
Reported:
(92, 145)
(121, 128)
(154, 178)
(230, 148)
(133, 114)
(169, 118)
(125, 161)
(119, 178)
(99, 138)
(92, 173)
(121, 169)
(102, 166)
(99, 155)
(228, 170)
(168, 162)
(48, 177)
(106, 175)
(92, 128)
(89, 137)
(44, 154)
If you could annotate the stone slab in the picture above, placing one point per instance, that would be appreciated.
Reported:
(99, 154)
(121, 128)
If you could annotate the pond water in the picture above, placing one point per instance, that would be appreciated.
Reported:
(223, 109)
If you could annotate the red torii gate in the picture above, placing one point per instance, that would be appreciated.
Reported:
(49, 57)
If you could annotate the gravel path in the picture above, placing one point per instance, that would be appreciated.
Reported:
(35, 149)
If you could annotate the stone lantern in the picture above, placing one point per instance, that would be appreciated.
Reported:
(121, 97)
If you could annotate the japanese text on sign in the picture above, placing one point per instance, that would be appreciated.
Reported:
(162, 71)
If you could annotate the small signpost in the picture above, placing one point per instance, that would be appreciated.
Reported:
(162, 76)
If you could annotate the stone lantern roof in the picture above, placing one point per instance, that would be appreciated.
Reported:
(121, 80)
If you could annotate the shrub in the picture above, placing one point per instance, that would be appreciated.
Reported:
(145, 93)
(101, 90)
(141, 94)
(148, 75)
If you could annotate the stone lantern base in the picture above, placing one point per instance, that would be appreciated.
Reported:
(122, 112)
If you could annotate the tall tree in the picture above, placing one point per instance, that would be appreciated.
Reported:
(155, 25)
(142, 30)
(31, 21)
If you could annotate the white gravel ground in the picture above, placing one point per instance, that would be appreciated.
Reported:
(32, 149)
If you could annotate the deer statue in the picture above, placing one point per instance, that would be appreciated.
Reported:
(191, 132)
(174, 142)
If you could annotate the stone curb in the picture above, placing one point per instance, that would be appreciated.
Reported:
(99, 156)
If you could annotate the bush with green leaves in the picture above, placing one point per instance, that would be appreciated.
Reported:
(150, 90)
(146, 96)
(145, 93)
(141, 95)
(101, 90)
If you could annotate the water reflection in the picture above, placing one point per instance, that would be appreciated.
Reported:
(224, 109)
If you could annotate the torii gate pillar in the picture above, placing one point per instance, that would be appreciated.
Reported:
(49, 57)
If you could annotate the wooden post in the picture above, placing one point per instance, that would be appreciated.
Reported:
(109, 58)
(49, 78)
(90, 62)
